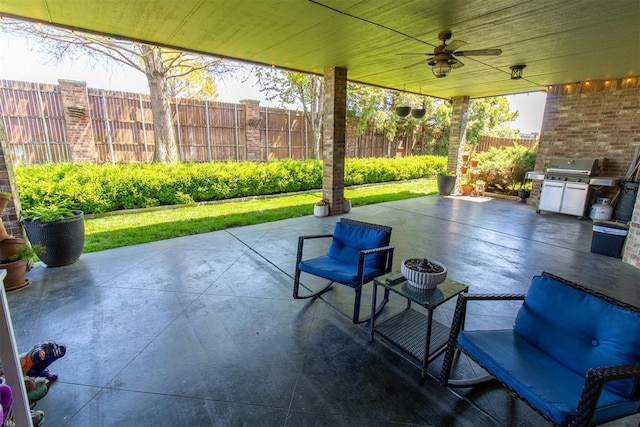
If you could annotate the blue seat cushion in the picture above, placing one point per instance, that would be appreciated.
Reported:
(580, 330)
(338, 271)
(549, 386)
(348, 240)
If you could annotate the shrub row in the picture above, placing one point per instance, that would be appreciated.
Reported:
(504, 168)
(104, 188)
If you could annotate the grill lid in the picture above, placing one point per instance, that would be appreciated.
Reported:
(569, 166)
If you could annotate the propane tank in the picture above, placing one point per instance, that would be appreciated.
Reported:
(601, 210)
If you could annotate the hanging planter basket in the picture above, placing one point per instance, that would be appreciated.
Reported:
(418, 113)
(403, 111)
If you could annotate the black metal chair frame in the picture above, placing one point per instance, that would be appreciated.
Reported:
(387, 250)
(594, 380)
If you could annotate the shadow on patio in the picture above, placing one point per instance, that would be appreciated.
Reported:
(203, 330)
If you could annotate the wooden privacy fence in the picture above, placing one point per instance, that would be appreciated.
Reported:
(486, 142)
(70, 122)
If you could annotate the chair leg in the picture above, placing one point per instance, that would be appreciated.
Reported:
(356, 307)
(296, 287)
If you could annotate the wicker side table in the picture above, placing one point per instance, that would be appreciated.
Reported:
(415, 336)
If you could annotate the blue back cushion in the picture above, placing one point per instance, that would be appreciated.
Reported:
(580, 330)
(349, 240)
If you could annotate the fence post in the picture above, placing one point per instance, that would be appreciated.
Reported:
(45, 128)
(289, 129)
(237, 135)
(206, 117)
(266, 132)
(144, 130)
(107, 127)
(179, 131)
(252, 120)
(77, 117)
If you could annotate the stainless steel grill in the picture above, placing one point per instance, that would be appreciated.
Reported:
(565, 188)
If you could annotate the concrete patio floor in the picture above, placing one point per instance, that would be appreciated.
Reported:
(203, 331)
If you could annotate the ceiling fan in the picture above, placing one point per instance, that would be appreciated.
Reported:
(444, 57)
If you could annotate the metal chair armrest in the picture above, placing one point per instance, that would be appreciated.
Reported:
(301, 240)
(593, 384)
(457, 325)
(366, 252)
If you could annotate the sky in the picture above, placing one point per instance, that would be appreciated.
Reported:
(19, 61)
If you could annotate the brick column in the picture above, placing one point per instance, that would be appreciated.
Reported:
(631, 253)
(334, 136)
(10, 215)
(252, 120)
(77, 115)
(457, 135)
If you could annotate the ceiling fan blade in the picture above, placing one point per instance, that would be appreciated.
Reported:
(413, 54)
(456, 63)
(413, 65)
(454, 45)
(479, 52)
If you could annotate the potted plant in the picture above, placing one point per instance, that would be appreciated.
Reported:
(321, 208)
(16, 267)
(56, 233)
(347, 205)
(5, 198)
(467, 187)
(446, 182)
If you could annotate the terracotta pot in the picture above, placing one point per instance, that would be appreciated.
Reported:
(463, 170)
(465, 157)
(9, 246)
(15, 274)
(474, 163)
(4, 201)
(347, 206)
(3, 231)
(466, 189)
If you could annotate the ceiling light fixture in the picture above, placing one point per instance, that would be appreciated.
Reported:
(441, 69)
(516, 71)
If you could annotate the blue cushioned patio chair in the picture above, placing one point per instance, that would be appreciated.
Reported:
(358, 253)
(573, 354)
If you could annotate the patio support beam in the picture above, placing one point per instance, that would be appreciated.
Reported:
(334, 141)
(458, 131)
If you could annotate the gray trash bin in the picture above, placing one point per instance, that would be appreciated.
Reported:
(608, 238)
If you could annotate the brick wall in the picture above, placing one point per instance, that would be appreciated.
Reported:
(594, 119)
(8, 185)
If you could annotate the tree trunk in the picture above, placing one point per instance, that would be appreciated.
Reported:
(166, 146)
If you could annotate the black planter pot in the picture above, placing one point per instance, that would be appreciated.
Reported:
(524, 195)
(446, 184)
(61, 241)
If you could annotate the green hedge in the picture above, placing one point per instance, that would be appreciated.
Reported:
(104, 188)
(504, 168)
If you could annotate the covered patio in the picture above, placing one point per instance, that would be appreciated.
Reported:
(202, 330)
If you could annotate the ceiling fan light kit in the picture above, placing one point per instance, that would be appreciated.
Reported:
(441, 69)
(445, 56)
(516, 71)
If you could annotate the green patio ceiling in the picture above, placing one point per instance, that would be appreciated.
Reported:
(558, 41)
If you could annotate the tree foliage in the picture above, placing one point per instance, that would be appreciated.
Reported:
(299, 89)
(169, 72)
(486, 114)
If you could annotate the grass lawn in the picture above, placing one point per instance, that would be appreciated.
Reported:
(131, 228)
